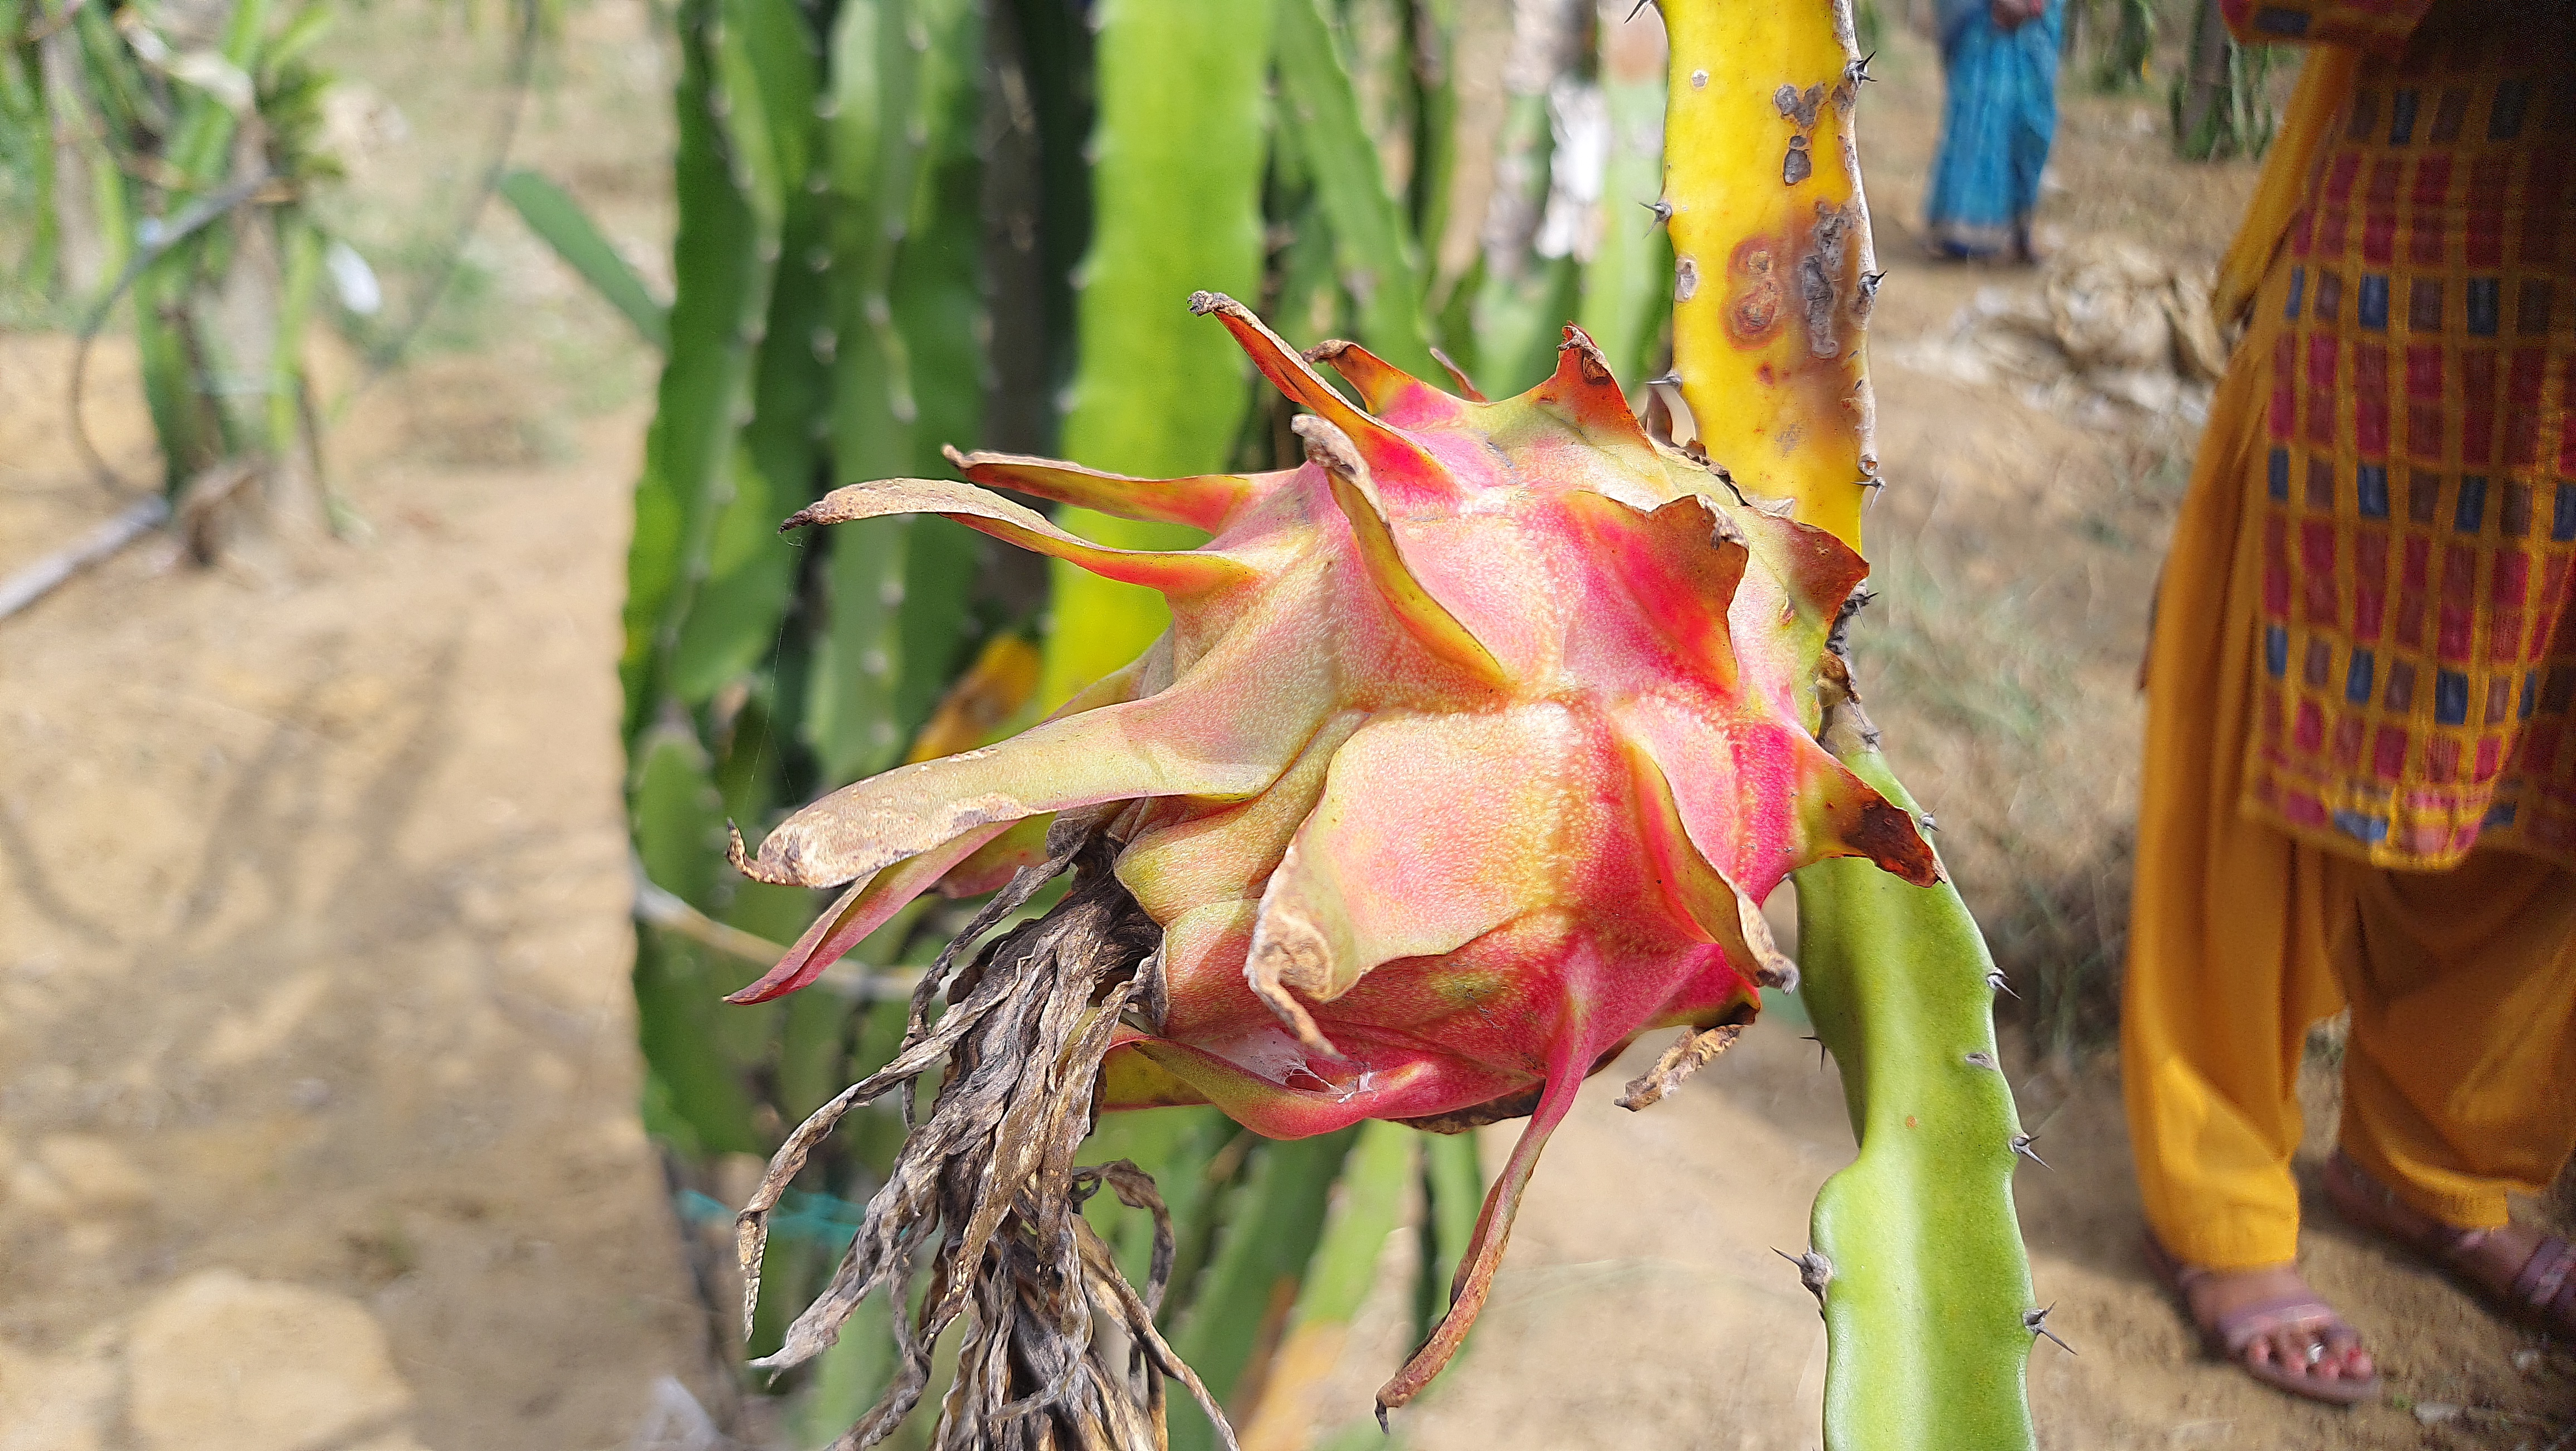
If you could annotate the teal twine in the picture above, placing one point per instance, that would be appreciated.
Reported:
(826, 1219)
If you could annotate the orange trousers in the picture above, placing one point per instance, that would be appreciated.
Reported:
(2460, 1073)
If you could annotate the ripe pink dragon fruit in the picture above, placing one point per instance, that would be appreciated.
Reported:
(1474, 747)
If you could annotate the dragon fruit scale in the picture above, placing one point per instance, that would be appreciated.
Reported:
(1475, 745)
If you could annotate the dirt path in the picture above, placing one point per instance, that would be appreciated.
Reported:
(1642, 1305)
(316, 1063)
(319, 1070)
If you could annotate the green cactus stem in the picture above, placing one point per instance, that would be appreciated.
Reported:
(1917, 1258)
(1916, 1254)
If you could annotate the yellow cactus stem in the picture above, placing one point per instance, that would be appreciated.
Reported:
(1916, 1257)
(1773, 270)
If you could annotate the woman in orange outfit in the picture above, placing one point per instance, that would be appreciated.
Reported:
(2360, 785)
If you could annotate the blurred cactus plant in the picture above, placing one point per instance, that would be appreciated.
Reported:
(169, 155)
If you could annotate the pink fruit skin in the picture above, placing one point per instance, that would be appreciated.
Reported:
(1475, 743)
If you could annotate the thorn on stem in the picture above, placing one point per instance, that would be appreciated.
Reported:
(1814, 1271)
(1982, 1059)
(1640, 8)
(2036, 1322)
(2021, 1144)
(1381, 1420)
(1663, 211)
(1820, 1051)
(1996, 980)
(1926, 822)
(1860, 69)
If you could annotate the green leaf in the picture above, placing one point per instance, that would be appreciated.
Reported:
(1176, 207)
(678, 829)
(849, 1376)
(1627, 286)
(850, 715)
(1178, 1147)
(765, 56)
(201, 143)
(736, 623)
(1055, 58)
(1518, 323)
(1273, 1225)
(1368, 1206)
(1373, 241)
(1305, 278)
(849, 704)
(938, 306)
(1434, 49)
(301, 34)
(674, 811)
(938, 280)
(746, 113)
(301, 242)
(1453, 1185)
(1373, 1182)
(1519, 298)
(734, 615)
(722, 286)
(674, 1016)
(561, 224)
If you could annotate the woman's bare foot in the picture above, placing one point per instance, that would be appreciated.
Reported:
(2529, 1273)
(2267, 1321)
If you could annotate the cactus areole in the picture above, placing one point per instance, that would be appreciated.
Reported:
(1476, 743)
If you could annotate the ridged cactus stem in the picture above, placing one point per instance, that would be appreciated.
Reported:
(1916, 1257)
(1180, 134)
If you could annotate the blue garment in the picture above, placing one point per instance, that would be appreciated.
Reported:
(1995, 130)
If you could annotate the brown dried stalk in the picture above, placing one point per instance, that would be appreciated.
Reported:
(985, 1187)
(1680, 1061)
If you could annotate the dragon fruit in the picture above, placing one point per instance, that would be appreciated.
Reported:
(1476, 743)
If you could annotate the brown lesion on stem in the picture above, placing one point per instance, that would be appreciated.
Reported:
(1845, 729)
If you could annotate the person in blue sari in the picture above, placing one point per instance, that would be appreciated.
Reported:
(2001, 60)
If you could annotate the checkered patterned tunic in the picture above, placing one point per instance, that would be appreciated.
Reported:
(2418, 510)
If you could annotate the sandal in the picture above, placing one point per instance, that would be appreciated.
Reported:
(2232, 1336)
(2543, 1292)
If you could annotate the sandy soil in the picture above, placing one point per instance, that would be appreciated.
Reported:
(316, 1064)
(313, 964)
